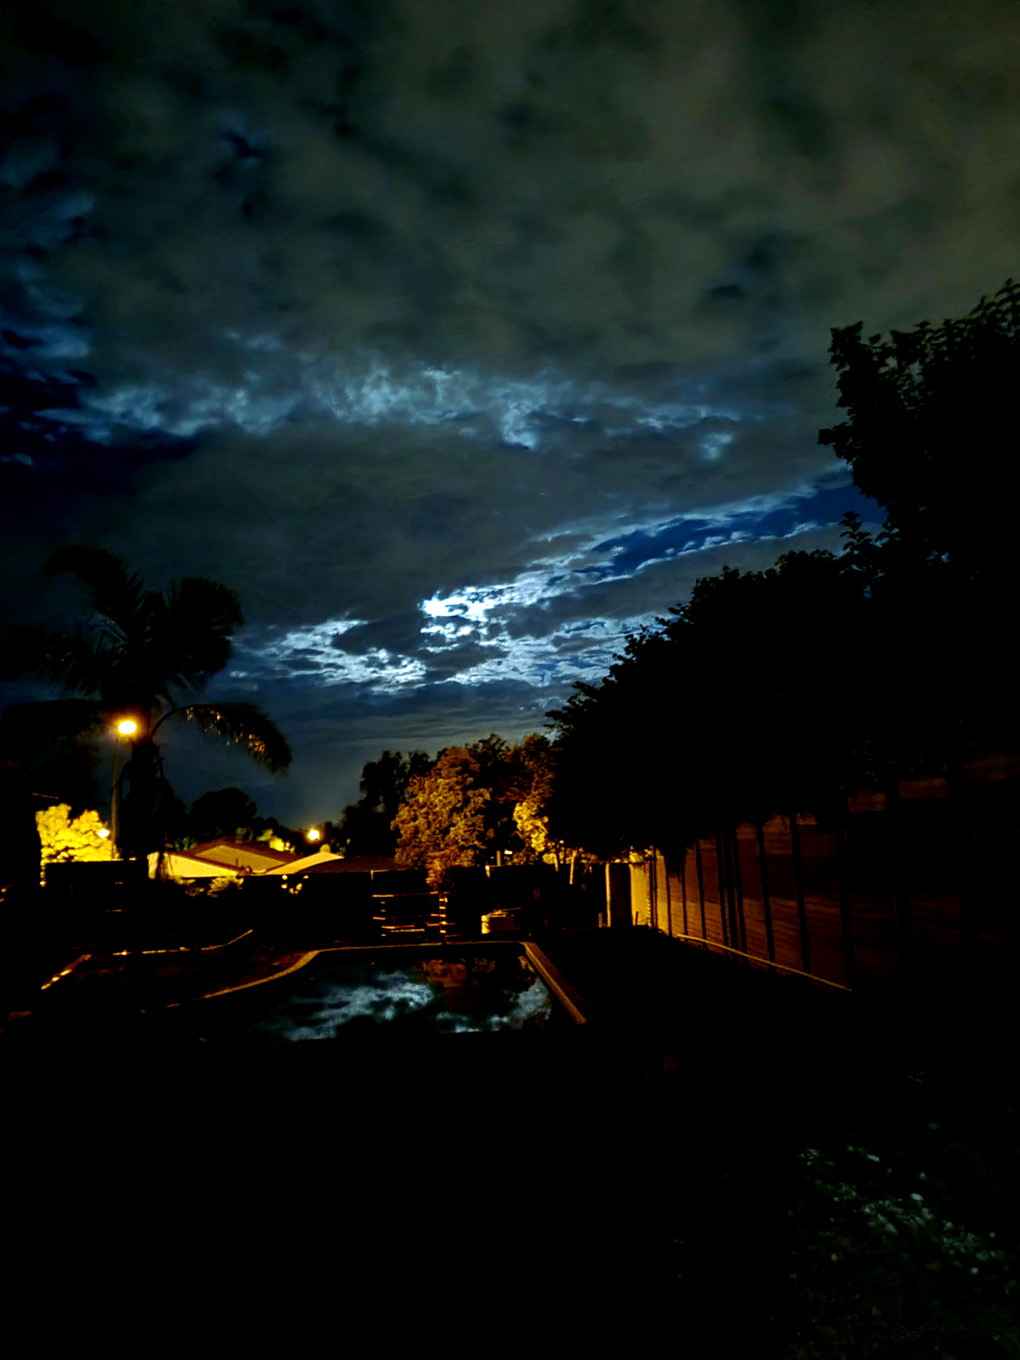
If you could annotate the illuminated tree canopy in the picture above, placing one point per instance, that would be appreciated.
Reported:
(478, 804)
(65, 838)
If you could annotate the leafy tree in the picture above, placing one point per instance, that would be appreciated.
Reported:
(366, 827)
(508, 780)
(65, 838)
(725, 712)
(143, 654)
(277, 841)
(39, 766)
(536, 763)
(477, 804)
(442, 822)
(222, 812)
(928, 410)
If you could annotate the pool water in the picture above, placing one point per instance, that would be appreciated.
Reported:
(332, 999)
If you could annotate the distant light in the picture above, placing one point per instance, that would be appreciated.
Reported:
(102, 833)
(127, 726)
(313, 833)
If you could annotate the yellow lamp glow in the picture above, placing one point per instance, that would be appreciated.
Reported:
(313, 833)
(102, 833)
(127, 727)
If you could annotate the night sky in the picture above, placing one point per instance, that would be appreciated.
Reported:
(461, 338)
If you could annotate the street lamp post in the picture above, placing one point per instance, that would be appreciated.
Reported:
(127, 727)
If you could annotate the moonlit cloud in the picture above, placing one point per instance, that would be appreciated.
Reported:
(314, 653)
(276, 387)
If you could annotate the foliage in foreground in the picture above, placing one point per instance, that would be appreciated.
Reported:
(900, 1252)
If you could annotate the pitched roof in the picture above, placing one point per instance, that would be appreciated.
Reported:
(305, 864)
(183, 864)
(355, 864)
(252, 855)
(324, 862)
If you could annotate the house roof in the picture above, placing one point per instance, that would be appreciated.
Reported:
(355, 864)
(183, 864)
(324, 862)
(306, 864)
(250, 855)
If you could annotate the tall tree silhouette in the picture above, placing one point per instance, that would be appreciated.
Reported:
(366, 826)
(141, 654)
(929, 412)
(926, 434)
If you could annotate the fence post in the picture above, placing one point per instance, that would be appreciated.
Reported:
(653, 903)
(669, 901)
(683, 889)
(846, 923)
(766, 900)
(798, 880)
(701, 888)
(738, 886)
(720, 874)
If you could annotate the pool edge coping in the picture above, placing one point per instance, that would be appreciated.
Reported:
(567, 995)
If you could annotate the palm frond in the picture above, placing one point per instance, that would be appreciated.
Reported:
(248, 727)
(72, 660)
(192, 628)
(115, 593)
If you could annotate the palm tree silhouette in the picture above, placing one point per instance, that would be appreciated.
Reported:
(141, 654)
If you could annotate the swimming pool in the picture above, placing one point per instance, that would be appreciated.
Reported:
(399, 992)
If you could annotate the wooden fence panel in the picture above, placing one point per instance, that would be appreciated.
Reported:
(783, 894)
(915, 890)
(640, 895)
(821, 903)
(754, 900)
(665, 897)
(696, 892)
(870, 875)
(715, 927)
(679, 922)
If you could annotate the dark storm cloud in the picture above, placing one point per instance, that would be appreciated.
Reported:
(504, 323)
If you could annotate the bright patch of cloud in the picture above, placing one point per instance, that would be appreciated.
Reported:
(314, 654)
(496, 616)
(370, 391)
(575, 652)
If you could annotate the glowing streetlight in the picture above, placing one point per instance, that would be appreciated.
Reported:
(126, 727)
(313, 833)
(103, 833)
